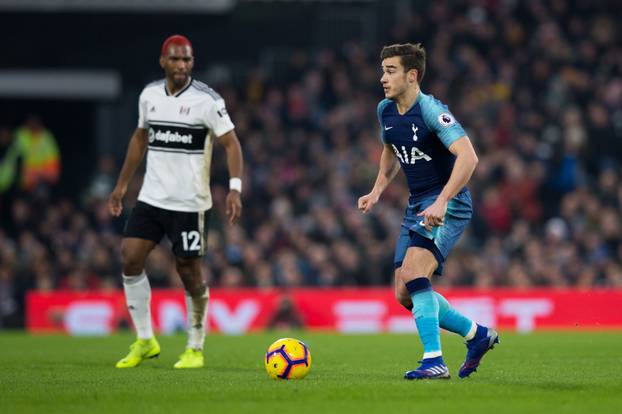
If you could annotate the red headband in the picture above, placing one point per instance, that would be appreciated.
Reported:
(178, 40)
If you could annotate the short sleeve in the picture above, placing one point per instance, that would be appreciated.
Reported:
(142, 112)
(217, 118)
(381, 106)
(438, 119)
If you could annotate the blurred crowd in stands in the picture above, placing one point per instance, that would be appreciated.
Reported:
(537, 85)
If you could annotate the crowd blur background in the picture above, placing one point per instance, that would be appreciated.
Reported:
(537, 85)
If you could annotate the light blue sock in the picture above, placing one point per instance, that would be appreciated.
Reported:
(425, 311)
(452, 320)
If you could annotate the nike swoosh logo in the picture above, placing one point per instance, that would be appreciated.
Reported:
(386, 128)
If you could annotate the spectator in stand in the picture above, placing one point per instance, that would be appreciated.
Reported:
(40, 153)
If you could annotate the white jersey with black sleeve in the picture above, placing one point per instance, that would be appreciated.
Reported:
(181, 129)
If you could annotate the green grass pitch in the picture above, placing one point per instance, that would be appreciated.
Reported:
(551, 372)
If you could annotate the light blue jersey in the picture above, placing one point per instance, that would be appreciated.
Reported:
(420, 139)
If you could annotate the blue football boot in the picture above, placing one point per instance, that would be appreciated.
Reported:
(476, 349)
(431, 368)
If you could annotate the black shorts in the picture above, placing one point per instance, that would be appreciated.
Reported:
(186, 231)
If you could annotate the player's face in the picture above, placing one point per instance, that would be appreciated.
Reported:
(395, 80)
(177, 64)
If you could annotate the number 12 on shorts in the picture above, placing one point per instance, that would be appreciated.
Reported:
(191, 240)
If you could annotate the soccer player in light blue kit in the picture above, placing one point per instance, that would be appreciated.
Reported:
(420, 134)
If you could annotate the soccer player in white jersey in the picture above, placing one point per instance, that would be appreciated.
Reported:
(179, 119)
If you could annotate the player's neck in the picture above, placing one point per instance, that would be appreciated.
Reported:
(173, 89)
(406, 100)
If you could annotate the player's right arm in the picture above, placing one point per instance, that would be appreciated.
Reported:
(389, 166)
(134, 156)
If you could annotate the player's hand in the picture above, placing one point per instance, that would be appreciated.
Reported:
(115, 201)
(233, 204)
(434, 215)
(366, 202)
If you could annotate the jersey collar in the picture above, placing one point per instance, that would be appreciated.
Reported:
(417, 100)
(182, 90)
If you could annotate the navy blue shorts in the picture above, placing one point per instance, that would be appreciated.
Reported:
(441, 239)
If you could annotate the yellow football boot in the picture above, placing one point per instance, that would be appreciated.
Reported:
(139, 351)
(191, 358)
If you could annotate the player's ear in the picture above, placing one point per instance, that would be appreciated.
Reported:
(412, 75)
(162, 61)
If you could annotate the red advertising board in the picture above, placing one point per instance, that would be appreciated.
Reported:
(342, 310)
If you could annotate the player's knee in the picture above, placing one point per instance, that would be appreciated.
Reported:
(186, 268)
(418, 262)
(401, 294)
(404, 300)
(190, 273)
(182, 264)
(132, 263)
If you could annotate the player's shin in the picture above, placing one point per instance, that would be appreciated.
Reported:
(452, 320)
(138, 300)
(196, 306)
(425, 311)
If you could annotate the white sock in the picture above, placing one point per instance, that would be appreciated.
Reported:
(472, 331)
(138, 300)
(197, 315)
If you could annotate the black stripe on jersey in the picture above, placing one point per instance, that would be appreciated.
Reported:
(177, 137)
(177, 124)
(203, 87)
(178, 151)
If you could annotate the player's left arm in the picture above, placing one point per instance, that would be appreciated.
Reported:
(235, 164)
(466, 161)
(438, 118)
(217, 119)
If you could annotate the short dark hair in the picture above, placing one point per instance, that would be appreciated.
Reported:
(412, 56)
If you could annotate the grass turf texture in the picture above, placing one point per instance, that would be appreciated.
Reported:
(552, 372)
